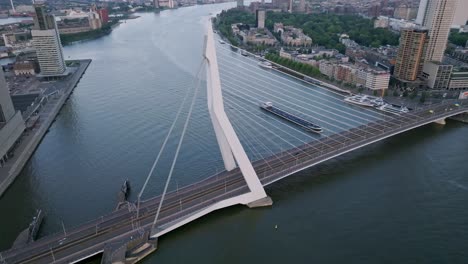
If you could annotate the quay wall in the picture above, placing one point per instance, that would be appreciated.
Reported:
(39, 134)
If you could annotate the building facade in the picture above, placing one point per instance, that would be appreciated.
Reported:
(260, 17)
(377, 80)
(437, 75)
(11, 122)
(410, 57)
(46, 41)
(459, 80)
(437, 17)
(461, 14)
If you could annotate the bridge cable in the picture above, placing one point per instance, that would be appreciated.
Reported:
(179, 111)
(258, 141)
(230, 59)
(341, 128)
(270, 131)
(320, 140)
(386, 116)
(179, 145)
(276, 120)
(274, 134)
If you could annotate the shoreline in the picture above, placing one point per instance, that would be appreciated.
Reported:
(30, 140)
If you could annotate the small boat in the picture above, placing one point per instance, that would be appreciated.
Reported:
(307, 125)
(234, 48)
(265, 65)
(125, 189)
(359, 100)
(393, 109)
(244, 53)
(222, 42)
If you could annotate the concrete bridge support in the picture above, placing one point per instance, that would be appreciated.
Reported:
(440, 121)
(129, 252)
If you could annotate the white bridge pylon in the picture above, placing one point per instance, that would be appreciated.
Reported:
(229, 144)
(231, 149)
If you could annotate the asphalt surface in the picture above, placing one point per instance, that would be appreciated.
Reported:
(124, 225)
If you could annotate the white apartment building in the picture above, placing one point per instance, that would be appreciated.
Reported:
(49, 52)
(437, 17)
(377, 80)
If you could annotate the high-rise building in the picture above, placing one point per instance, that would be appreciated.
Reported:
(11, 122)
(461, 14)
(302, 6)
(410, 56)
(46, 41)
(377, 80)
(260, 17)
(240, 3)
(437, 17)
(437, 75)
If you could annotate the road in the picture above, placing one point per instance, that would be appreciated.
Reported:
(124, 225)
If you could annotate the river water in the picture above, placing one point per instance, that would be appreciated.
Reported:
(401, 200)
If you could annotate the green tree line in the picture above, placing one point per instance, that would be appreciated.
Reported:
(458, 39)
(92, 34)
(324, 29)
(303, 68)
(225, 19)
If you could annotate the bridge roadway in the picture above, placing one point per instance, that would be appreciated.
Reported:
(122, 225)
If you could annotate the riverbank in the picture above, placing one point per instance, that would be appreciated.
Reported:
(31, 139)
(68, 39)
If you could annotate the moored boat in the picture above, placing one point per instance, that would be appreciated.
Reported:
(265, 65)
(393, 109)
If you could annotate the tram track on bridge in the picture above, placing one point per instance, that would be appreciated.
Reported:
(206, 190)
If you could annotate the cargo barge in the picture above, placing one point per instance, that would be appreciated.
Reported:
(307, 125)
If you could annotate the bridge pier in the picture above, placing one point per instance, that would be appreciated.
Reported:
(262, 202)
(440, 121)
(131, 251)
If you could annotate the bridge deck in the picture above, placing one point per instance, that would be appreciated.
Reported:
(122, 225)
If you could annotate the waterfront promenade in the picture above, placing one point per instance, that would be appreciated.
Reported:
(47, 114)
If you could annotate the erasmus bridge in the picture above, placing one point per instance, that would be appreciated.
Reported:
(131, 232)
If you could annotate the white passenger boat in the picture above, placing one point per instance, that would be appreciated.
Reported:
(389, 108)
(364, 100)
(265, 65)
(359, 99)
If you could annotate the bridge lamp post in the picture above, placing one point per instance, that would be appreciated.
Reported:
(53, 256)
(63, 226)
